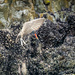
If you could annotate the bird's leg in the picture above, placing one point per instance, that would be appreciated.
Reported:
(22, 41)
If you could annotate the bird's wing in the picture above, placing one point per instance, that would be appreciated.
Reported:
(26, 28)
(30, 26)
(36, 24)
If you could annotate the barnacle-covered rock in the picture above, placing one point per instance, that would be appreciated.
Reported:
(51, 34)
(71, 22)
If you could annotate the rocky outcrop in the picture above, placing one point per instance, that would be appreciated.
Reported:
(45, 56)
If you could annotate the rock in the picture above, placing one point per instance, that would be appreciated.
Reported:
(1, 1)
(52, 54)
(71, 22)
(52, 60)
(4, 15)
(70, 40)
(51, 34)
(1, 25)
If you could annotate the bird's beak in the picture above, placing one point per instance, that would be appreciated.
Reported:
(36, 36)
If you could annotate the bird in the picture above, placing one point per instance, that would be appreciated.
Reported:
(29, 27)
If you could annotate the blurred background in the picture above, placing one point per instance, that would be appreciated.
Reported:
(25, 10)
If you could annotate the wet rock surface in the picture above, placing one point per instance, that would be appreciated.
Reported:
(52, 54)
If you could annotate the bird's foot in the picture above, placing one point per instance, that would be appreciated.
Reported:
(22, 41)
